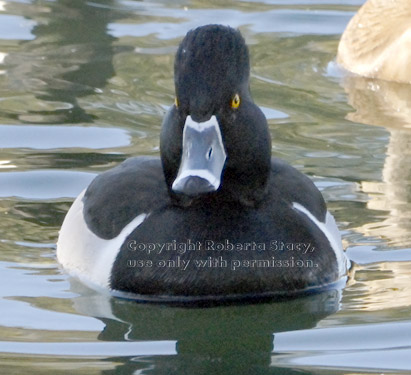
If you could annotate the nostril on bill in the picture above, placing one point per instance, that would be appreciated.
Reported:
(209, 153)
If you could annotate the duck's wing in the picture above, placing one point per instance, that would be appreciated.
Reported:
(306, 202)
(117, 196)
(104, 215)
(295, 187)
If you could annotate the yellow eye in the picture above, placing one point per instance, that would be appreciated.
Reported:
(235, 102)
(176, 103)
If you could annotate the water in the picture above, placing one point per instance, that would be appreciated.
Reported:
(84, 85)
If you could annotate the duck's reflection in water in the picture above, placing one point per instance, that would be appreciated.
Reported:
(235, 339)
(387, 104)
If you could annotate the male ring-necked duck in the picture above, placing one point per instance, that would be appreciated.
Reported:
(216, 218)
(377, 41)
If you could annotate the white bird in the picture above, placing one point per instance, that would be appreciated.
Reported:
(377, 41)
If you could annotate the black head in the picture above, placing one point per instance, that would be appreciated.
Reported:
(215, 141)
(211, 64)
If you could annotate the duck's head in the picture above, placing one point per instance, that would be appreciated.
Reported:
(214, 139)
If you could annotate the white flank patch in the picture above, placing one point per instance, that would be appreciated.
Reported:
(86, 255)
(330, 230)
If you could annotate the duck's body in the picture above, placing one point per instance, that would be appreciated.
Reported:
(161, 231)
(377, 41)
(215, 218)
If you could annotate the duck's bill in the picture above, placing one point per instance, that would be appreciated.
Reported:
(203, 158)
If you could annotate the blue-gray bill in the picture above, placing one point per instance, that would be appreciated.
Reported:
(203, 158)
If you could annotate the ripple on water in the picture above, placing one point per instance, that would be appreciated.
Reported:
(45, 137)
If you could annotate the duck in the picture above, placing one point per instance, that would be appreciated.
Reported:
(377, 41)
(215, 218)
